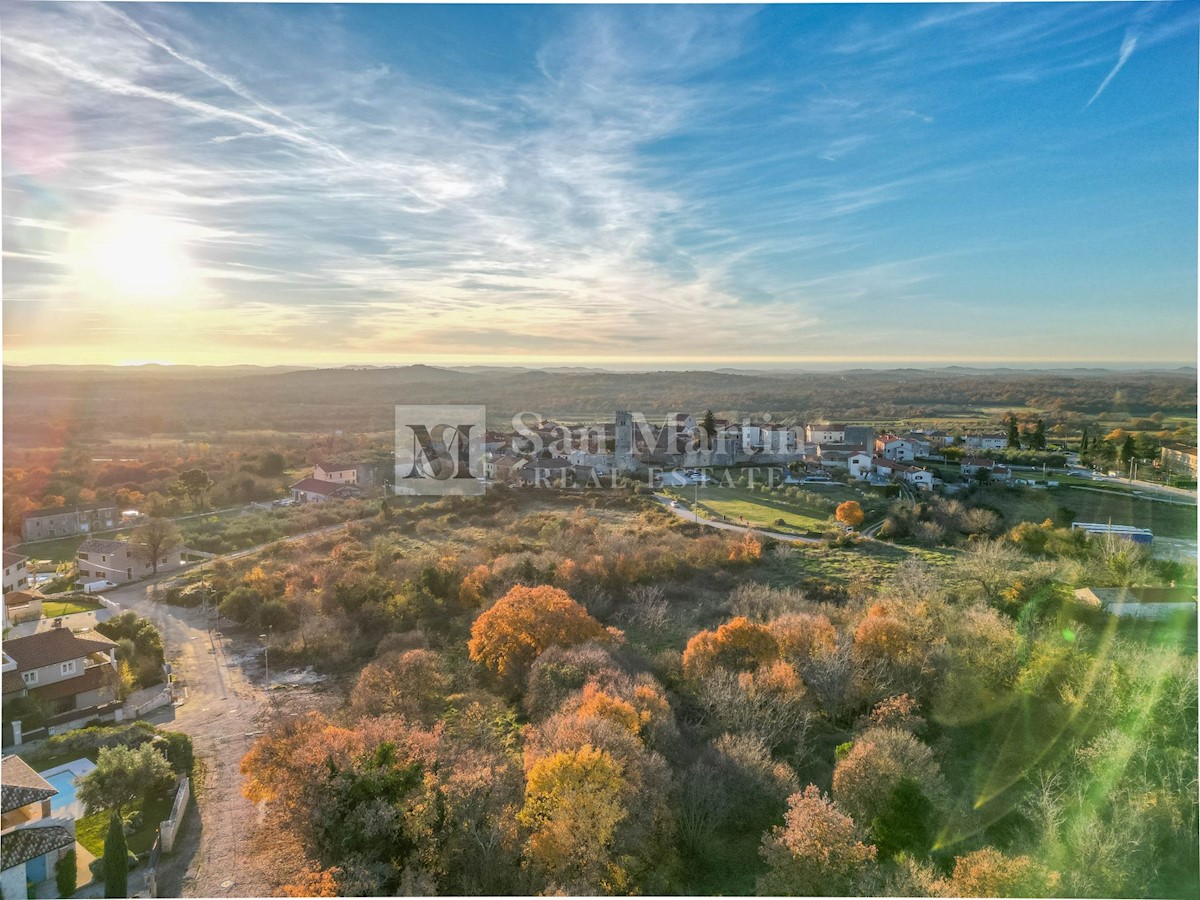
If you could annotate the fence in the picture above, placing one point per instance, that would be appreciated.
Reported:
(168, 829)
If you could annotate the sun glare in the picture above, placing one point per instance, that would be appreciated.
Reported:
(135, 256)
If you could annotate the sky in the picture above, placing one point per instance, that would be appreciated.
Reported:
(623, 186)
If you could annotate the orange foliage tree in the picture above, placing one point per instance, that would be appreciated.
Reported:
(802, 636)
(524, 622)
(989, 873)
(738, 645)
(849, 513)
(816, 852)
(313, 882)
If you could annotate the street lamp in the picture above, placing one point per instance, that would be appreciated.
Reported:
(266, 660)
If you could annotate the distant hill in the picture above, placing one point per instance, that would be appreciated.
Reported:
(51, 405)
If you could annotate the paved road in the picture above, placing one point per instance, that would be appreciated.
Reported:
(689, 516)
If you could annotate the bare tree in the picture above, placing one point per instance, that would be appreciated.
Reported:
(151, 542)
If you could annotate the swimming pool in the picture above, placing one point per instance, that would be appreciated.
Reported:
(64, 779)
(64, 783)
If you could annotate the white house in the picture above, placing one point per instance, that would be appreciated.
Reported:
(889, 446)
(825, 433)
(859, 465)
(971, 465)
(106, 560)
(602, 463)
(16, 574)
(778, 440)
(339, 472)
(985, 441)
(918, 478)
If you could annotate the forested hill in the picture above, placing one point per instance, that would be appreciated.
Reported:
(93, 401)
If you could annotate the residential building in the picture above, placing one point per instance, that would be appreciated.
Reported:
(859, 464)
(16, 573)
(891, 446)
(22, 606)
(69, 674)
(985, 441)
(62, 521)
(553, 472)
(32, 838)
(825, 433)
(1141, 602)
(778, 440)
(339, 472)
(601, 462)
(312, 490)
(890, 468)
(1179, 460)
(503, 466)
(972, 464)
(107, 560)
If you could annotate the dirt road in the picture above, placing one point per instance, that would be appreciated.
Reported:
(221, 712)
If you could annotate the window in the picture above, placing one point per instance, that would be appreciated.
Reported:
(67, 668)
(83, 556)
(29, 677)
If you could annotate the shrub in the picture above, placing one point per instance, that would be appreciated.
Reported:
(65, 878)
(177, 748)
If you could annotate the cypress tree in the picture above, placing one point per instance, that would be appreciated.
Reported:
(116, 862)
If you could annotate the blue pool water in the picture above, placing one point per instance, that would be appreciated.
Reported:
(64, 783)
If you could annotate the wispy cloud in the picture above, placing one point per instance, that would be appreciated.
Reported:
(656, 180)
(1128, 45)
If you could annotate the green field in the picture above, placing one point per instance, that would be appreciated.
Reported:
(762, 510)
(872, 561)
(1121, 507)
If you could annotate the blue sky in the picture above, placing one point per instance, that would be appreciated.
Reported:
(627, 186)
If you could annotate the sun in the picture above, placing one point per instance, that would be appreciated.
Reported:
(135, 256)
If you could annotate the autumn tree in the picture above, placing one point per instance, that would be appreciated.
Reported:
(818, 851)
(989, 873)
(524, 622)
(572, 809)
(850, 513)
(880, 758)
(737, 645)
(152, 542)
(313, 881)
(412, 684)
(803, 636)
